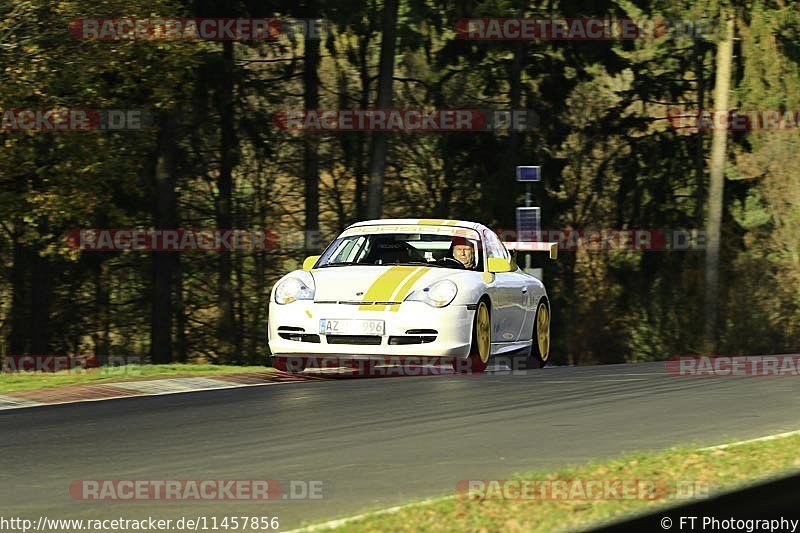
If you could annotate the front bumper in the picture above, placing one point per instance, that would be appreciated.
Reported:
(453, 326)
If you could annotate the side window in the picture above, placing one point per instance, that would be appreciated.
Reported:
(334, 251)
(506, 253)
(346, 249)
(359, 250)
(494, 248)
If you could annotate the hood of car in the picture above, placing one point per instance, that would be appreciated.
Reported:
(372, 284)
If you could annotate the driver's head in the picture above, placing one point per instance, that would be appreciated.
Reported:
(463, 252)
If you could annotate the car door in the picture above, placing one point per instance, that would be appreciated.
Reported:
(510, 300)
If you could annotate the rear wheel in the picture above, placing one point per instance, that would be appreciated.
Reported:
(540, 351)
(481, 340)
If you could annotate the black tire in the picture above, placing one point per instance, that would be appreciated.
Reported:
(481, 345)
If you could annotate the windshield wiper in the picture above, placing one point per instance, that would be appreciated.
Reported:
(418, 262)
(341, 263)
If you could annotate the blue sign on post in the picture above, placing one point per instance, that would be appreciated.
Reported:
(528, 173)
(528, 224)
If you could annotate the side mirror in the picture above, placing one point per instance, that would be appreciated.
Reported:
(310, 261)
(514, 264)
(498, 264)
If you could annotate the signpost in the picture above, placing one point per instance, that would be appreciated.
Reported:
(528, 217)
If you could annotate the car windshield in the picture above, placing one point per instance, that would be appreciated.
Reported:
(403, 249)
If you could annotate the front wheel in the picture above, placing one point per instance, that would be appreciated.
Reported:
(481, 341)
(540, 351)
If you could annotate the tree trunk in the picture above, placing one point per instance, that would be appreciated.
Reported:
(164, 217)
(515, 136)
(377, 166)
(699, 159)
(507, 201)
(257, 326)
(41, 275)
(19, 295)
(181, 348)
(226, 326)
(102, 337)
(717, 182)
(41, 291)
(311, 141)
(366, 87)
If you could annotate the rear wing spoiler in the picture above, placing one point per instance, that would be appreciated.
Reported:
(550, 247)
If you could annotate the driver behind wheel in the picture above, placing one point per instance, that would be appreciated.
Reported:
(463, 252)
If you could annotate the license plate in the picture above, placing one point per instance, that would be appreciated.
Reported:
(350, 327)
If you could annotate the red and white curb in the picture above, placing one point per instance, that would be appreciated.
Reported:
(9, 402)
(174, 385)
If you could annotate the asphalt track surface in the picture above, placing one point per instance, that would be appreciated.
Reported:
(374, 443)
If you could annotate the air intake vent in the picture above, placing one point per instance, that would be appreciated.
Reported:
(411, 339)
(361, 340)
(299, 337)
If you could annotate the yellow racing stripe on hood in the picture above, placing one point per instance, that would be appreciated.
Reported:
(384, 287)
(406, 288)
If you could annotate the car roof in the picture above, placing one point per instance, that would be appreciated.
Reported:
(420, 222)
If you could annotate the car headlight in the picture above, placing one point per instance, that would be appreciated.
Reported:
(292, 289)
(440, 294)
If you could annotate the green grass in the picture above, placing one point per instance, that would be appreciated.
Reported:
(23, 381)
(711, 470)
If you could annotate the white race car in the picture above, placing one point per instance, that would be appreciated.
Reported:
(410, 288)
